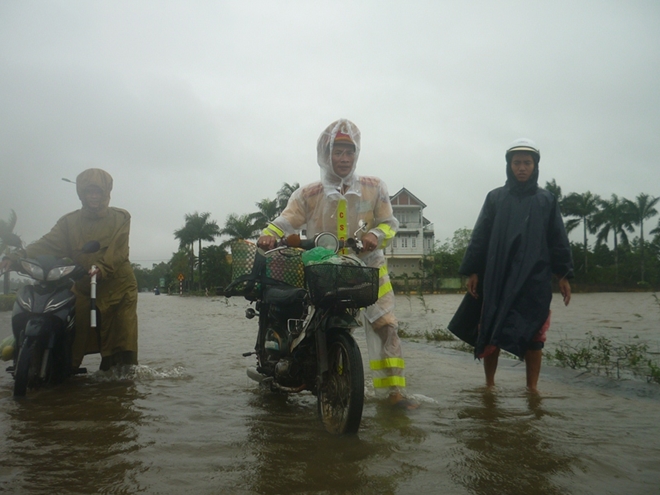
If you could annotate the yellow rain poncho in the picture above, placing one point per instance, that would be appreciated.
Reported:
(335, 204)
(116, 294)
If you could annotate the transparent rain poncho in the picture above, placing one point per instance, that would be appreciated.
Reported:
(338, 205)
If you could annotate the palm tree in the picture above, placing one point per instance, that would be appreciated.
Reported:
(555, 190)
(284, 194)
(240, 227)
(584, 207)
(197, 228)
(186, 243)
(614, 216)
(642, 209)
(6, 235)
(268, 211)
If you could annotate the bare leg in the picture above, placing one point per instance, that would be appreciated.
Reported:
(490, 366)
(533, 367)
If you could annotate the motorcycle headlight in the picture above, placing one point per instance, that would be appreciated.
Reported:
(33, 270)
(60, 272)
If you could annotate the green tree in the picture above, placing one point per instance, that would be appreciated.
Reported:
(218, 268)
(268, 211)
(7, 239)
(614, 216)
(197, 228)
(186, 240)
(583, 206)
(556, 192)
(240, 227)
(178, 264)
(284, 194)
(643, 208)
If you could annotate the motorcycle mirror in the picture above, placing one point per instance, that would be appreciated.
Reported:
(362, 227)
(91, 247)
(328, 241)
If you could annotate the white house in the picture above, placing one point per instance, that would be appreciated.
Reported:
(415, 237)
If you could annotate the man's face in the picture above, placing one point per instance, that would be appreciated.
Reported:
(522, 166)
(93, 197)
(343, 159)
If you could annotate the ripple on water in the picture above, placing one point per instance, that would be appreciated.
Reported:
(139, 373)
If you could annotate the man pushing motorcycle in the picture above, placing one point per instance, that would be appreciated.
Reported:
(338, 203)
(116, 298)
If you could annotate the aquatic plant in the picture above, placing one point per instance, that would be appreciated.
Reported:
(423, 302)
(601, 355)
(439, 335)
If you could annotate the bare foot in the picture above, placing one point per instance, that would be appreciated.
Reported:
(397, 400)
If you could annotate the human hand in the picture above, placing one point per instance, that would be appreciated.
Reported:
(565, 289)
(471, 285)
(267, 242)
(369, 241)
(5, 265)
(95, 271)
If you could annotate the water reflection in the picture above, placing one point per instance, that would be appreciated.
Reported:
(295, 454)
(73, 439)
(505, 448)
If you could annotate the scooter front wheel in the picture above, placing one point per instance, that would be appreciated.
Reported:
(341, 395)
(23, 366)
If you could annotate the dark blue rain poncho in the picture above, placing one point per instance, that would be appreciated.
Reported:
(518, 242)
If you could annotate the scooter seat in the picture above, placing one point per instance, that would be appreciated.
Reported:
(284, 295)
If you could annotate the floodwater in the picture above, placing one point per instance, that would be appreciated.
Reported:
(188, 420)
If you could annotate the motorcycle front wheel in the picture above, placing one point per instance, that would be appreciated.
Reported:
(25, 368)
(341, 395)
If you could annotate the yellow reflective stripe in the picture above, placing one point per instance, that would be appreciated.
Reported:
(384, 289)
(390, 381)
(387, 363)
(342, 226)
(382, 271)
(272, 229)
(387, 230)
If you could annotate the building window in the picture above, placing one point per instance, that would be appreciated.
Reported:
(414, 242)
(404, 242)
(394, 242)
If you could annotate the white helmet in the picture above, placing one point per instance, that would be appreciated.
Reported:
(523, 144)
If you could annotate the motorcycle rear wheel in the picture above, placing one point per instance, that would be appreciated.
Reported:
(24, 368)
(341, 395)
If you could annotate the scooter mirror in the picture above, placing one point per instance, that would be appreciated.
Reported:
(91, 247)
(362, 227)
(328, 241)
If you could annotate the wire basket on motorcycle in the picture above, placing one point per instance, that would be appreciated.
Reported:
(342, 281)
(251, 268)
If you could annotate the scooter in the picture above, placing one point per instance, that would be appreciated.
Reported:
(304, 337)
(43, 319)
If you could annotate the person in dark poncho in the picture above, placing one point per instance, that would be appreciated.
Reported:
(517, 244)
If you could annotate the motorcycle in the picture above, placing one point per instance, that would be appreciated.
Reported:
(305, 324)
(43, 319)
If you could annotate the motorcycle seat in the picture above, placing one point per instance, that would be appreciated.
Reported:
(284, 295)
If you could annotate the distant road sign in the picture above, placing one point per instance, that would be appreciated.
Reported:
(181, 277)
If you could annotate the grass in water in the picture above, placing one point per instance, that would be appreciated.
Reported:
(434, 335)
(601, 355)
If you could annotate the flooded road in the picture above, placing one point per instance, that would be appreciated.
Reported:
(188, 420)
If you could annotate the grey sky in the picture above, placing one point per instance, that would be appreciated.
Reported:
(211, 106)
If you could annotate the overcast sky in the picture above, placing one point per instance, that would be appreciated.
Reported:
(211, 106)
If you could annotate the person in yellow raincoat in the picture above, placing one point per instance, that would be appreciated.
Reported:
(337, 203)
(116, 337)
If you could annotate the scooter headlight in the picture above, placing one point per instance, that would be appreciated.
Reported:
(33, 270)
(60, 272)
